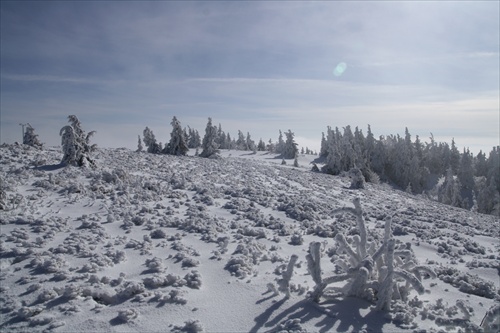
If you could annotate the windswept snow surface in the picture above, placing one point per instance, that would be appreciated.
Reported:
(158, 243)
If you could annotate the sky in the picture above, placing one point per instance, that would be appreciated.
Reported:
(254, 66)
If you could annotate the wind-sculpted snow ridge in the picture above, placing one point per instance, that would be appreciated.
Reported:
(160, 243)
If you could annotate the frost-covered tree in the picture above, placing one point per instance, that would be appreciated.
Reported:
(30, 138)
(194, 138)
(290, 149)
(241, 143)
(250, 144)
(323, 152)
(150, 141)
(270, 146)
(280, 145)
(209, 144)
(76, 144)
(466, 177)
(178, 143)
(261, 146)
(140, 147)
(449, 192)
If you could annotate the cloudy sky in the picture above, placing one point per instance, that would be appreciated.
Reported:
(252, 66)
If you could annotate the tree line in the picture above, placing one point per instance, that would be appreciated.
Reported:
(437, 170)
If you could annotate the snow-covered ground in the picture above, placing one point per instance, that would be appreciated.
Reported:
(157, 243)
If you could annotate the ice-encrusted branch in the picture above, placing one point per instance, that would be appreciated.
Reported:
(386, 288)
(284, 282)
(358, 213)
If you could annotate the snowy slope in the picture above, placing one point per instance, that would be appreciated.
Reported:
(161, 243)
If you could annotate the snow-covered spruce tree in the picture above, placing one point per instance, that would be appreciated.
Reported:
(140, 148)
(250, 144)
(30, 138)
(177, 144)
(150, 141)
(323, 151)
(261, 146)
(280, 145)
(76, 144)
(209, 144)
(372, 270)
(290, 149)
(241, 143)
(194, 138)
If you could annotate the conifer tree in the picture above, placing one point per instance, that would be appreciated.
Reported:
(241, 143)
(209, 144)
(249, 143)
(76, 144)
(30, 138)
(177, 144)
(280, 145)
(466, 177)
(290, 149)
(140, 148)
(324, 148)
(261, 146)
(150, 141)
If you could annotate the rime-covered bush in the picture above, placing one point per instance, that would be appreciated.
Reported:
(193, 279)
(357, 179)
(373, 271)
(190, 326)
(128, 315)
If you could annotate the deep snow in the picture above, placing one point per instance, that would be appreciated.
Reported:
(155, 243)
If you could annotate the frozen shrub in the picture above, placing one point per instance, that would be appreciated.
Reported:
(239, 266)
(47, 295)
(128, 315)
(357, 179)
(131, 288)
(193, 280)
(174, 296)
(190, 262)
(467, 283)
(190, 326)
(373, 270)
(155, 265)
(290, 326)
(158, 234)
(40, 320)
(29, 311)
(296, 239)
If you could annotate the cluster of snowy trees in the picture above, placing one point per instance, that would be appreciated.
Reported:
(436, 169)
(215, 138)
(470, 182)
